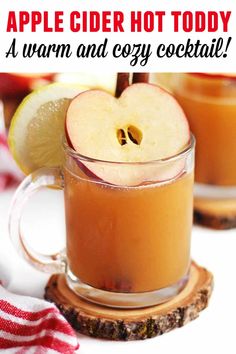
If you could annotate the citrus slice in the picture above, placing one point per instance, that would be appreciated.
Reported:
(37, 128)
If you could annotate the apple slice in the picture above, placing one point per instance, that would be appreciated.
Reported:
(145, 124)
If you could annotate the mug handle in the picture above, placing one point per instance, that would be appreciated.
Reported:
(44, 177)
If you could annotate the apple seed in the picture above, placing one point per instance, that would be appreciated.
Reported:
(134, 134)
(121, 136)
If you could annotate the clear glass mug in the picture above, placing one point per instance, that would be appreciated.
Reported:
(209, 102)
(127, 244)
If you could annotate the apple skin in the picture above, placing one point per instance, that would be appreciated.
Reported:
(176, 172)
(12, 84)
(81, 165)
(145, 176)
(226, 76)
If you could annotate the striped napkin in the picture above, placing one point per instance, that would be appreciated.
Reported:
(28, 325)
(33, 326)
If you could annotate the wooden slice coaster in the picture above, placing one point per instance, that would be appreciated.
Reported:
(120, 324)
(218, 214)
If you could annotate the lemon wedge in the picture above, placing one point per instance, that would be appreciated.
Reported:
(38, 126)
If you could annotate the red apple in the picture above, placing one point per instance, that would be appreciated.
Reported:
(145, 124)
(11, 84)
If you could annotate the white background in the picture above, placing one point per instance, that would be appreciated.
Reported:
(109, 63)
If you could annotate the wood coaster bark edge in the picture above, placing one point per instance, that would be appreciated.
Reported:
(224, 222)
(219, 214)
(134, 329)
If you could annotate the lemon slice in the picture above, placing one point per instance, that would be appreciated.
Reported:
(37, 127)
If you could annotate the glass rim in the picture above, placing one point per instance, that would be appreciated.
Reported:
(71, 152)
(210, 76)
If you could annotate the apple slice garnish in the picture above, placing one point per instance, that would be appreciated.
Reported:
(145, 124)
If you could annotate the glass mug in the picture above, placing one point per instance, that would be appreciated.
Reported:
(210, 105)
(126, 246)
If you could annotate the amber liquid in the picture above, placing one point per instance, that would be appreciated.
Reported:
(128, 239)
(210, 106)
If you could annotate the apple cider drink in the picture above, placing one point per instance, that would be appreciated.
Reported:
(209, 101)
(126, 168)
(128, 191)
(128, 239)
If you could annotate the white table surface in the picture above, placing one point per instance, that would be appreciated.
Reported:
(213, 332)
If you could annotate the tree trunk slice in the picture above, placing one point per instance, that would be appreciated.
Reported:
(218, 214)
(125, 324)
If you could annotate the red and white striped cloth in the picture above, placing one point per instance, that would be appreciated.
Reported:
(28, 325)
(33, 326)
